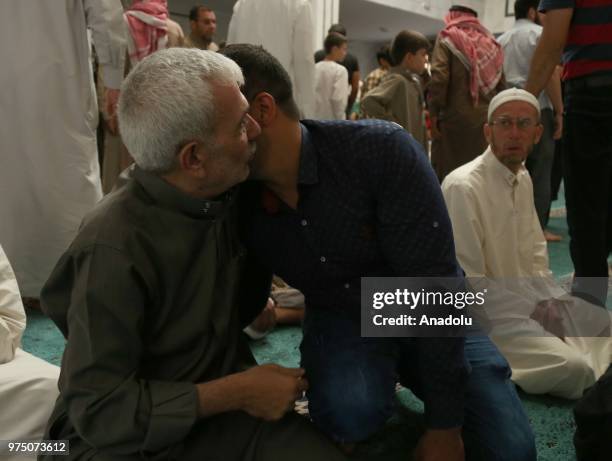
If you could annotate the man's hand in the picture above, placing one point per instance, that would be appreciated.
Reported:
(271, 390)
(558, 127)
(440, 445)
(267, 319)
(548, 313)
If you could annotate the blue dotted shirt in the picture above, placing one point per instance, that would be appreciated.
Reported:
(369, 205)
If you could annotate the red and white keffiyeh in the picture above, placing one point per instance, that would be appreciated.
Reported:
(476, 48)
(146, 22)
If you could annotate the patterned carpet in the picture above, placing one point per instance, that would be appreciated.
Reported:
(551, 418)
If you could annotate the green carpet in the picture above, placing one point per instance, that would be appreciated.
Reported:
(551, 418)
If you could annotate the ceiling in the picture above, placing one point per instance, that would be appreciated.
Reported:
(364, 20)
(367, 21)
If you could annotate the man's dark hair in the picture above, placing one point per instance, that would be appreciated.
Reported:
(263, 73)
(407, 41)
(384, 53)
(463, 9)
(337, 29)
(332, 40)
(194, 12)
(522, 7)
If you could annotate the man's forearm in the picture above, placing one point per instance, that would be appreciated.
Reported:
(220, 395)
(550, 47)
(553, 90)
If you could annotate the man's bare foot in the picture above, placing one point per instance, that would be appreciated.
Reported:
(550, 237)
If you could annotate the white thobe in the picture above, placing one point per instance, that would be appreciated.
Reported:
(49, 172)
(285, 29)
(28, 385)
(332, 91)
(498, 237)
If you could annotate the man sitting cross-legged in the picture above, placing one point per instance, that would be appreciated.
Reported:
(545, 334)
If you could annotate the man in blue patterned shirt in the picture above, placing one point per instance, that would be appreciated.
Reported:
(332, 202)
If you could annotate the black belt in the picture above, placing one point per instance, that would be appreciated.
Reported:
(588, 82)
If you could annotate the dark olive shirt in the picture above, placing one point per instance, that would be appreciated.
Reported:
(151, 296)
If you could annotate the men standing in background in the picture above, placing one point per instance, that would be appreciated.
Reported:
(149, 28)
(399, 97)
(578, 32)
(519, 44)
(331, 89)
(351, 64)
(49, 175)
(203, 22)
(284, 28)
(466, 72)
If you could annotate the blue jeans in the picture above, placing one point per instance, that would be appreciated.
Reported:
(352, 387)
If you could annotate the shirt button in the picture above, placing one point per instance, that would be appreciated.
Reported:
(323, 259)
(304, 222)
(435, 224)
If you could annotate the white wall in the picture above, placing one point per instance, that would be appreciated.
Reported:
(365, 52)
(495, 18)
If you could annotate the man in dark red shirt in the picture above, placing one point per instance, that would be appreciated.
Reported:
(579, 32)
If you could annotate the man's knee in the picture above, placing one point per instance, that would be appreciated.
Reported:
(576, 374)
(352, 411)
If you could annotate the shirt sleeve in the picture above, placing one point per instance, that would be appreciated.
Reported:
(377, 103)
(416, 239)
(340, 93)
(232, 31)
(105, 19)
(12, 314)
(546, 5)
(440, 74)
(108, 402)
(303, 64)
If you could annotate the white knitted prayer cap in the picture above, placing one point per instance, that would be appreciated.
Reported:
(512, 94)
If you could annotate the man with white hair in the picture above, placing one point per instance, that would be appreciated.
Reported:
(154, 290)
(546, 335)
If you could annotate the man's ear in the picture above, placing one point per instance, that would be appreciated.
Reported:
(192, 159)
(538, 133)
(264, 109)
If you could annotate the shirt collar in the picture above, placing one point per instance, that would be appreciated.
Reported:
(500, 170)
(524, 23)
(308, 170)
(170, 196)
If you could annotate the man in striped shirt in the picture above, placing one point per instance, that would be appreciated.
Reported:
(580, 32)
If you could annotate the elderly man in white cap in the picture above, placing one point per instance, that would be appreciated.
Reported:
(546, 335)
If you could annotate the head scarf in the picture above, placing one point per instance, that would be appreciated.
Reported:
(146, 22)
(476, 48)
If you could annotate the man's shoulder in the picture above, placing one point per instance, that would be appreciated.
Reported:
(113, 219)
(462, 179)
(348, 130)
(359, 145)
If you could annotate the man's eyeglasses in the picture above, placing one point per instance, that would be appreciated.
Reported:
(506, 123)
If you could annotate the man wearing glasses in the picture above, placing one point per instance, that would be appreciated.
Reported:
(546, 335)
